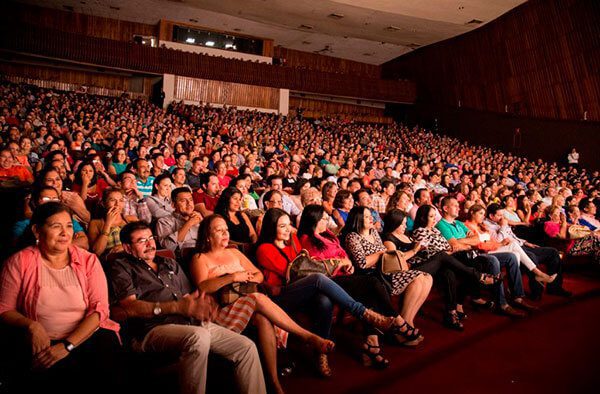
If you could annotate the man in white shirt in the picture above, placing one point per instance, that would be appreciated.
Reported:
(500, 230)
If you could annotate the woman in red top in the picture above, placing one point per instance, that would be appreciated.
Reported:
(316, 293)
(88, 184)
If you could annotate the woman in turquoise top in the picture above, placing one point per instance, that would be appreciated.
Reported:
(118, 163)
(401, 200)
(22, 235)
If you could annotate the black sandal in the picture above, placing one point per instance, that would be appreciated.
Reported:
(451, 320)
(489, 305)
(408, 337)
(375, 360)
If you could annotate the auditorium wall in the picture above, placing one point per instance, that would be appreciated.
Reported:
(71, 76)
(546, 139)
(314, 108)
(195, 90)
(539, 60)
(74, 22)
(314, 61)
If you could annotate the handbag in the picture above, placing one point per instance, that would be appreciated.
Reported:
(390, 262)
(303, 265)
(232, 292)
(577, 231)
(393, 261)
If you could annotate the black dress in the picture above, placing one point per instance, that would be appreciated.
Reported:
(238, 232)
(447, 271)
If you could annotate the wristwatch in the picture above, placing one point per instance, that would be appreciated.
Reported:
(68, 345)
(157, 310)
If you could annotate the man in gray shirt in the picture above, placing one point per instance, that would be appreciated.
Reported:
(179, 230)
(164, 316)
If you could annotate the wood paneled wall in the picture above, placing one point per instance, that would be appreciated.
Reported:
(77, 77)
(540, 60)
(74, 22)
(195, 89)
(319, 108)
(313, 61)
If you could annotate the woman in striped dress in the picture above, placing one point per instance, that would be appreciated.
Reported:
(215, 266)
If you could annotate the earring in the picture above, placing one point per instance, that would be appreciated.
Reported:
(37, 241)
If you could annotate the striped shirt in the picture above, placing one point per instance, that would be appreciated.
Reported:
(145, 187)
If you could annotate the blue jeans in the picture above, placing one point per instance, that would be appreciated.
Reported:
(318, 293)
(509, 260)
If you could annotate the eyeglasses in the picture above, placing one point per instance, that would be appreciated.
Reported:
(47, 199)
(142, 241)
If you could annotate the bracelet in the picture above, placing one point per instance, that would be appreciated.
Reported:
(105, 233)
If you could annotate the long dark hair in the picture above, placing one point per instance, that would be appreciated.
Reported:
(203, 239)
(355, 222)
(311, 215)
(422, 216)
(78, 180)
(222, 207)
(268, 232)
(393, 220)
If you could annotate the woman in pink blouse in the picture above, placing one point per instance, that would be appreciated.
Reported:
(557, 227)
(57, 294)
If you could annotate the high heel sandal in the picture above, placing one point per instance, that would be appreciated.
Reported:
(378, 321)
(451, 320)
(409, 336)
(323, 366)
(320, 345)
(375, 360)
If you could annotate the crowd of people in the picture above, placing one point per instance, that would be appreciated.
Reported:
(139, 223)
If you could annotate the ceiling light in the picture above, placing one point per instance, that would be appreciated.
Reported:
(308, 27)
(334, 15)
(209, 43)
(393, 28)
(190, 40)
(229, 45)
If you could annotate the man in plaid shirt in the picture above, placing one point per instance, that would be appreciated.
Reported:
(135, 204)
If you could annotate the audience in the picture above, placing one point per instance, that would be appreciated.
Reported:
(110, 162)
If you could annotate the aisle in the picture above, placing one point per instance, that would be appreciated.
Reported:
(553, 351)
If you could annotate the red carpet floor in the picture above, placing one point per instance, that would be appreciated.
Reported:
(555, 350)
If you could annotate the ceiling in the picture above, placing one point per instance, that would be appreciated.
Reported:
(369, 31)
